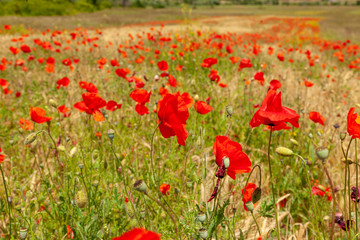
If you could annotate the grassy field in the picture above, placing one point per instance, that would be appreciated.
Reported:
(128, 118)
(336, 21)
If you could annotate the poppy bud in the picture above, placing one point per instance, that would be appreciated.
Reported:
(226, 162)
(23, 233)
(73, 152)
(30, 138)
(61, 148)
(156, 78)
(142, 214)
(111, 134)
(81, 199)
(201, 217)
(53, 103)
(196, 97)
(250, 206)
(140, 186)
(322, 153)
(189, 184)
(96, 183)
(342, 136)
(310, 135)
(81, 165)
(336, 125)
(348, 161)
(293, 141)
(283, 151)
(234, 210)
(229, 110)
(203, 233)
(95, 155)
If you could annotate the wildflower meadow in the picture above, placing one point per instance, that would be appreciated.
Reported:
(226, 127)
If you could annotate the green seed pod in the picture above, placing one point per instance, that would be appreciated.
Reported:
(61, 148)
(23, 233)
(226, 162)
(111, 134)
(250, 206)
(322, 153)
(203, 233)
(201, 217)
(140, 186)
(189, 184)
(283, 151)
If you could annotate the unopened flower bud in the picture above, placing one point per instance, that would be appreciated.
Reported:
(61, 148)
(322, 153)
(336, 125)
(342, 136)
(73, 152)
(53, 103)
(203, 233)
(140, 186)
(229, 110)
(142, 214)
(293, 141)
(111, 134)
(30, 138)
(283, 151)
(81, 199)
(81, 165)
(189, 184)
(226, 162)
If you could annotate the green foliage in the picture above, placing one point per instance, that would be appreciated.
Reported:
(51, 8)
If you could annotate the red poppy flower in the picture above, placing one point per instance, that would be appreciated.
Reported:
(89, 87)
(63, 82)
(114, 63)
(14, 50)
(91, 104)
(50, 61)
(321, 191)
(165, 188)
(38, 115)
(141, 96)
(62, 109)
(202, 107)
(2, 158)
(26, 124)
(272, 113)
(245, 63)
(308, 84)
(25, 48)
(122, 72)
(275, 84)
(112, 106)
(172, 81)
(163, 66)
(317, 118)
(173, 113)
(213, 75)
(3, 83)
(259, 76)
(353, 124)
(208, 62)
(250, 188)
(70, 232)
(138, 234)
(239, 161)
(280, 56)
(7, 27)
(66, 62)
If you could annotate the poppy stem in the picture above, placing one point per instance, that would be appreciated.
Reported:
(7, 198)
(357, 189)
(334, 203)
(347, 177)
(152, 155)
(272, 186)
(257, 225)
(166, 210)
